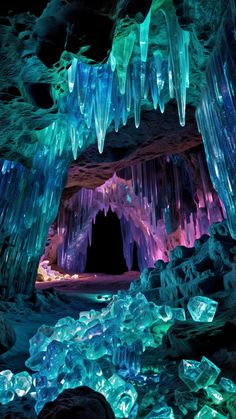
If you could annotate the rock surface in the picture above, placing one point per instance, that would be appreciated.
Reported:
(206, 269)
(78, 403)
(158, 134)
(7, 335)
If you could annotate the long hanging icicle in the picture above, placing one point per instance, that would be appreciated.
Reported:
(102, 95)
(159, 204)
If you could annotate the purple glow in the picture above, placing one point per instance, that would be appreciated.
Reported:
(158, 207)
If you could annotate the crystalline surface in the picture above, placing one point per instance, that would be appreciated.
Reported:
(110, 93)
(227, 385)
(202, 309)
(207, 412)
(186, 401)
(19, 384)
(216, 117)
(198, 375)
(22, 383)
(161, 411)
(152, 209)
(71, 353)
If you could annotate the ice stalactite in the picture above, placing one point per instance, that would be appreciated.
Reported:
(181, 200)
(216, 116)
(76, 218)
(162, 203)
(29, 202)
(101, 95)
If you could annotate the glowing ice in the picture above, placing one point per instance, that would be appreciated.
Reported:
(207, 412)
(202, 309)
(197, 375)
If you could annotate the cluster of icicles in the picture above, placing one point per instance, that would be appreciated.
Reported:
(109, 93)
(156, 208)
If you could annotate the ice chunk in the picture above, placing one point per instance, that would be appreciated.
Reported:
(161, 411)
(122, 396)
(227, 385)
(22, 383)
(198, 375)
(207, 412)
(202, 309)
(6, 387)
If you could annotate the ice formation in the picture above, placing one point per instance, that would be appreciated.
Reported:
(197, 375)
(216, 116)
(83, 115)
(106, 94)
(103, 350)
(25, 221)
(202, 309)
(157, 210)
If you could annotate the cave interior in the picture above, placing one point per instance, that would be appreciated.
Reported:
(118, 209)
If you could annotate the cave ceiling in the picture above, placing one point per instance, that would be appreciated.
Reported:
(39, 40)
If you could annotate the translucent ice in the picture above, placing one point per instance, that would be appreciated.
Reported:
(216, 116)
(113, 91)
(161, 411)
(197, 375)
(6, 387)
(202, 309)
(22, 383)
(72, 352)
(151, 206)
(207, 412)
(10, 384)
(227, 385)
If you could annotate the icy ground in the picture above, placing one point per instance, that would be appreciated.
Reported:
(52, 301)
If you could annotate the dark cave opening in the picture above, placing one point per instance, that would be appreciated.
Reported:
(105, 255)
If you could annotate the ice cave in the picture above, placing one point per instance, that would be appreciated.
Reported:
(118, 209)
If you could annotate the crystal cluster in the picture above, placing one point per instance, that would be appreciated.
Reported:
(216, 116)
(104, 351)
(187, 274)
(208, 412)
(106, 94)
(205, 375)
(156, 209)
(11, 385)
(73, 352)
(197, 375)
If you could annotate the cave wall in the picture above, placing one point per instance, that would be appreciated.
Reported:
(40, 117)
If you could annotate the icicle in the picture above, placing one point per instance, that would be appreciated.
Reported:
(123, 52)
(72, 74)
(111, 92)
(144, 37)
(74, 142)
(178, 42)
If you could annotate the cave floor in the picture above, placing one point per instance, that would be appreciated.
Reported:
(91, 284)
(54, 300)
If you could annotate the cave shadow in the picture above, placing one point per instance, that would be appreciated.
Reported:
(105, 255)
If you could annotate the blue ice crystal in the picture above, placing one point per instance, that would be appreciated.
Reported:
(202, 309)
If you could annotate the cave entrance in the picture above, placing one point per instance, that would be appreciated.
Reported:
(105, 255)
